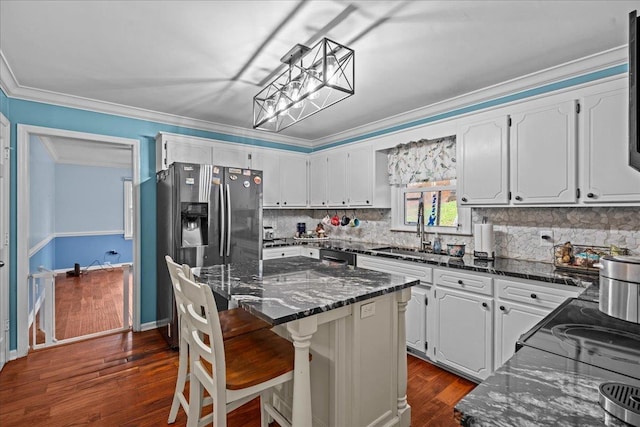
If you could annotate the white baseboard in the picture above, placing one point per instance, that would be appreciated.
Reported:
(13, 354)
(148, 326)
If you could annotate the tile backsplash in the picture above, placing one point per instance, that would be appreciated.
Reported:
(517, 230)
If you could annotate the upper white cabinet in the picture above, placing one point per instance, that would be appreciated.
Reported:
(483, 154)
(318, 180)
(177, 148)
(543, 154)
(285, 178)
(337, 185)
(605, 174)
(349, 177)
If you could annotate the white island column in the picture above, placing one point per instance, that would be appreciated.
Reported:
(301, 332)
(404, 410)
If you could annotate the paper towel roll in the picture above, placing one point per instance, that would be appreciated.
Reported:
(483, 239)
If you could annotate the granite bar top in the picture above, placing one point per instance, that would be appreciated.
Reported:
(536, 388)
(292, 288)
(532, 270)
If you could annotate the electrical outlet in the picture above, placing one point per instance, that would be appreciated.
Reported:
(546, 237)
(367, 310)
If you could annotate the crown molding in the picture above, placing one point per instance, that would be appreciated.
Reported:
(582, 66)
(13, 89)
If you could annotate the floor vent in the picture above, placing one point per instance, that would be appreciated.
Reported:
(622, 401)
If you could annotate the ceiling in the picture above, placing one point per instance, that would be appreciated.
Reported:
(77, 151)
(206, 60)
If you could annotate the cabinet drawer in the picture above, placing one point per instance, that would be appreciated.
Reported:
(283, 252)
(534, 295)
(463, 281)
(310, 252)
(414, 270)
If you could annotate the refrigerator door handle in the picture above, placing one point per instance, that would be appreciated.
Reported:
(222, 221)
(228, 220)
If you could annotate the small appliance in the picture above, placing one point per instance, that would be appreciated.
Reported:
(634, 91)
(268, 234)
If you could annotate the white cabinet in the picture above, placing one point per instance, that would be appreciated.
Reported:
(360, 176)
(416, 319)
(337, 178)
(511, 321)
(543, 154)
(483, 159)
(172, 148)
(284, 176)
(520, 305)
(464, 332)
(604, 150)
(318, 181)
(280, 252)
(350, 177)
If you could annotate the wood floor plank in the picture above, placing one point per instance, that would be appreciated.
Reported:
(127, 379)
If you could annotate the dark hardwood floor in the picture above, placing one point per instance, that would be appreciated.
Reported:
(127, 379)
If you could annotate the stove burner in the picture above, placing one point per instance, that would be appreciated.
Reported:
(622, 401)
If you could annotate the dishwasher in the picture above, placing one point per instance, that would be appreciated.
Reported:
(335, 256)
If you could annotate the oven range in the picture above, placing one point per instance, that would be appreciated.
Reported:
(579, 331)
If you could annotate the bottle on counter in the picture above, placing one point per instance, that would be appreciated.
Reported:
(437, 244)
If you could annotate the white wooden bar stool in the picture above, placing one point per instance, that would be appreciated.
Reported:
(234, 322)
(234, 371)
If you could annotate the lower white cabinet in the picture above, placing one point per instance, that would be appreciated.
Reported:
(416, 317)
(464, 332)
(511, 321)
(280, 252)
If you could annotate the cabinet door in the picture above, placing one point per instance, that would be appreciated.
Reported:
(464, 332)
(223, 155)
(187, 152)
(511, 321)
(318, 181)
(543, 155)
(337, 178)
(606, 175)
(483, 158)
(293, 180)
(360, 176)
(416, 319)
(269, 163)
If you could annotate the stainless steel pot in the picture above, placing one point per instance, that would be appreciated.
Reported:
(620, 287)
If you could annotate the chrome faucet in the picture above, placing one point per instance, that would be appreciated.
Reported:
(423, 245)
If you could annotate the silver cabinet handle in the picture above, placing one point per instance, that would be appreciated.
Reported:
(228, 220)
(222, 221)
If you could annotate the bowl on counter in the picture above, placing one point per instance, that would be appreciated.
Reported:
(455, 250)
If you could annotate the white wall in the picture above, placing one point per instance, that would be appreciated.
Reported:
(42, 192)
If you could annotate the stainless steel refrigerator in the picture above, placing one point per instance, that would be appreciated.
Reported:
(206, 215)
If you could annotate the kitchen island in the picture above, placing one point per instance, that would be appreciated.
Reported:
(352, 322)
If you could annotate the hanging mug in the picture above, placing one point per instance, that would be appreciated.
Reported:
(335, 220)
(355, 222)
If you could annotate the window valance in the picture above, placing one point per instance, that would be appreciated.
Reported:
(423, 160)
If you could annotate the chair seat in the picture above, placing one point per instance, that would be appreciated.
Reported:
(256, 357)
(237, 321)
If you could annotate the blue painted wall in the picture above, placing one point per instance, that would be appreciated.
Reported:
(40, 114)
(91, 250)
(89, 198)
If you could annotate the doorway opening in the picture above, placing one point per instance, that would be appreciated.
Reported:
(78, 236)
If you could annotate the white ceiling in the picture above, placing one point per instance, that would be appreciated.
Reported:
(207, 59)
(77, 151)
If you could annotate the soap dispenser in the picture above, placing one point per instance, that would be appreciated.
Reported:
(437, 244)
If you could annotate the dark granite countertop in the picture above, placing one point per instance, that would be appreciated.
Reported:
(532, 270)
(297, 287)
(536, 388)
